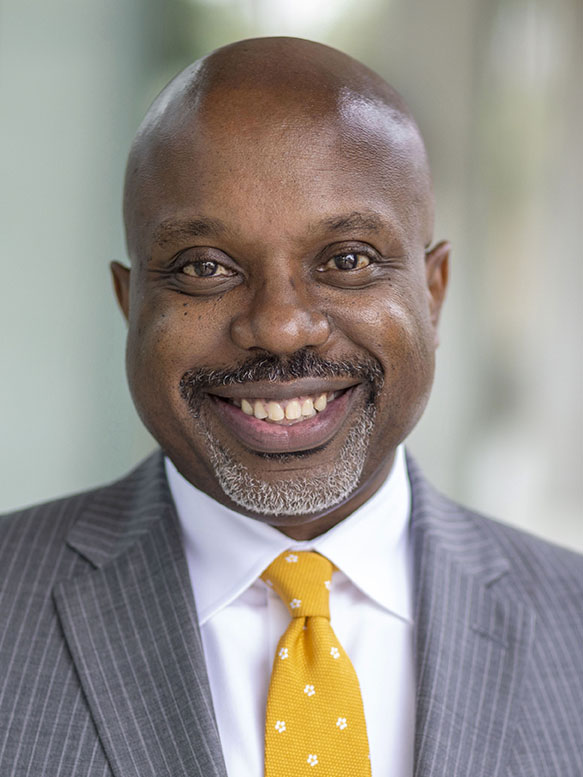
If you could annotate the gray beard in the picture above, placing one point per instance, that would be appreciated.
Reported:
(303, 495)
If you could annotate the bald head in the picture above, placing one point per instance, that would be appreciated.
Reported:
(265, 89)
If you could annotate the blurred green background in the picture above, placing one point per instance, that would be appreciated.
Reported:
(496, 88)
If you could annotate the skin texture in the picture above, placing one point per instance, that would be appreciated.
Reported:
(269, 159)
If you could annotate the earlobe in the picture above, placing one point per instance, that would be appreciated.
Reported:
(437, 274)
(121, 285)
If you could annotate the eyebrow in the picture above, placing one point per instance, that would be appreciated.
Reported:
(367, 221)
(180, 229)
(175, 229)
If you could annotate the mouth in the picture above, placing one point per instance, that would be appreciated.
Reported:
(284, 419)
(285, 411)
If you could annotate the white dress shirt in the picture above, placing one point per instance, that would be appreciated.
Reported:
(241, 619)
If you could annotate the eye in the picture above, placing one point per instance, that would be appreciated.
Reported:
(349, 261)
(205, 269)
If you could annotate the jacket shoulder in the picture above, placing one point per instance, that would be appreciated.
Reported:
(543, 567)
(43, 528)
(47, 521)
(466, 529)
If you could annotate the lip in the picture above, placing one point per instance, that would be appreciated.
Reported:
(265, 437)
(277, 390)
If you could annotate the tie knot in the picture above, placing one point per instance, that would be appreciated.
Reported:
(302, 580)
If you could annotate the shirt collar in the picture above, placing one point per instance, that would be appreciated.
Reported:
(227, 551)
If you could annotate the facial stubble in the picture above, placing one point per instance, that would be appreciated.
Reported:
(302, 494)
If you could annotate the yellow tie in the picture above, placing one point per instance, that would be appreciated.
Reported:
(314, 721)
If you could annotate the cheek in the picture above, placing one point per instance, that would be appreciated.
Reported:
(398, 333)
(164, 341)
(392, 327)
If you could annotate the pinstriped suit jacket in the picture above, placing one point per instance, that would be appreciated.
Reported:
(102, 669)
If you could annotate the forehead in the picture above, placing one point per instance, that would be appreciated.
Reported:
(264, 165)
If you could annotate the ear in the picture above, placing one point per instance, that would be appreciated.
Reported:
(437, 274)
(121, 285)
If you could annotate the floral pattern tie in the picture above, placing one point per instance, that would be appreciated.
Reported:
(314, 720)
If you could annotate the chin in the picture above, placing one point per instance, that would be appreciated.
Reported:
(309, 489)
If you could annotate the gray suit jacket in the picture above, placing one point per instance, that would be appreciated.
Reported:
(102, 668)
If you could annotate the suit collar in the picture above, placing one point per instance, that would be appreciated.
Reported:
(130, 625)
(473, 634)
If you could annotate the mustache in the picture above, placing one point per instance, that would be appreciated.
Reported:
(302, 364)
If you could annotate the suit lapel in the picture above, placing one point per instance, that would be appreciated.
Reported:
(131, 627)
(473, 637)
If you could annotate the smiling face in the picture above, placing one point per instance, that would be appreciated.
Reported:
(282, 307)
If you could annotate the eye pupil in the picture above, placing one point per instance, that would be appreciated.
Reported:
(203, 269)
(346, 261)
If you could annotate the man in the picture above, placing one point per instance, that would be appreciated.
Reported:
(283, 303)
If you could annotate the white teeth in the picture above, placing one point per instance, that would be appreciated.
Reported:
(320, 403)
(275, 411)
(259, 410)
(293, 410)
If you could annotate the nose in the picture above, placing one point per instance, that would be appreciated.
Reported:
(280, 320)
